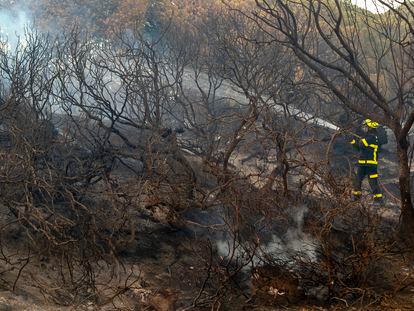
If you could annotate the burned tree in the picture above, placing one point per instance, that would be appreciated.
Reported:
(49, 182)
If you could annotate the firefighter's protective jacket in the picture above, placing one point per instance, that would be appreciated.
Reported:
(367, 147)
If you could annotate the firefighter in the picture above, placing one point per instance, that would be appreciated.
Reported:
(367, 164)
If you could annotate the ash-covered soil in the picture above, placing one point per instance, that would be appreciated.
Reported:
(172, 265)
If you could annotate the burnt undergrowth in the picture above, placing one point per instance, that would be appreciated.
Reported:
(105, 204)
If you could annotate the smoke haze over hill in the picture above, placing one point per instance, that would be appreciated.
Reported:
(374, 5)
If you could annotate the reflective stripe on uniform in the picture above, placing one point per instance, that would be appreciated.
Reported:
(355, 192)
(378, 195)
(368, 161)
(353, 142)
(373, 176)
(373, 146)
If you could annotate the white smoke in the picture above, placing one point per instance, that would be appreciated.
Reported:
(293, 244)
(14, 24)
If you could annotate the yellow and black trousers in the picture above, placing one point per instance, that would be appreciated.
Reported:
(361, 171)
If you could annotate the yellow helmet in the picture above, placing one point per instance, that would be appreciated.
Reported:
(370, 123)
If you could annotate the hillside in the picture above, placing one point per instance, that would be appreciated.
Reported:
(196, 156)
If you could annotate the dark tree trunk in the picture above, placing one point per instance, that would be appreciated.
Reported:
(407, 211)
